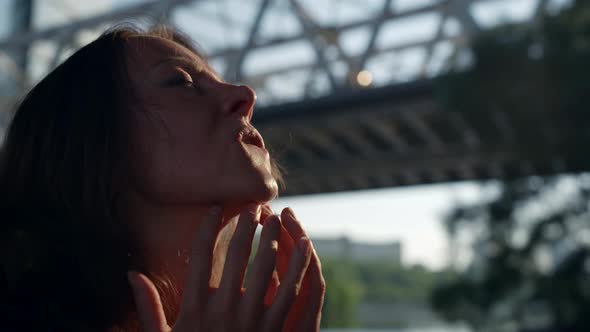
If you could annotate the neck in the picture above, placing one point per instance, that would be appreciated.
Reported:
(164, 235)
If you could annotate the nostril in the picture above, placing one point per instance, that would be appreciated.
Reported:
(238, 100)
(239, 106)
(243, 102)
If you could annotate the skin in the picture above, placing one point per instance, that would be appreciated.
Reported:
(187, 160)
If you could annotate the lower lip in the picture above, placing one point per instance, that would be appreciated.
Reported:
(256, 148)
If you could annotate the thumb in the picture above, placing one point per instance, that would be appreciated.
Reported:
(147, 300)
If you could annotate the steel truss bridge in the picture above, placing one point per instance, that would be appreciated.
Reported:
(346, 92)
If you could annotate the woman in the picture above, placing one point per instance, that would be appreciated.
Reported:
(131, 185)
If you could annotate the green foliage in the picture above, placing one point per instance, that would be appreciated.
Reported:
(343, 291)
(509, 281)
(536, 77)
(531, 269)
(392, 282)
(349, 283)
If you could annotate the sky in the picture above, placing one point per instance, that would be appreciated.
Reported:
(412, 215)
(211, 24)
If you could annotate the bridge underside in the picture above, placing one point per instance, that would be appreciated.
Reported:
(399, 136)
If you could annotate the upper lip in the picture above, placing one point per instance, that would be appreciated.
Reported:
(249, 135)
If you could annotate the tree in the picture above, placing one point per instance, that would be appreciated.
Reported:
(531, 265)
(343, 292)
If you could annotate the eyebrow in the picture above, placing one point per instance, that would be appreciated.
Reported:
(199, 64)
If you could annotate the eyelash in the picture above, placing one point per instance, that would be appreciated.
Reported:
(182, 81)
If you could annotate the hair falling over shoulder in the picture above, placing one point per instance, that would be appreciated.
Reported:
(62, 175)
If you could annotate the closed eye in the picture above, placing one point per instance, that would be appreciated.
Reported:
(180, 79)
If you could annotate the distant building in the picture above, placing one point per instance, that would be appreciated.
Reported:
(344, 248)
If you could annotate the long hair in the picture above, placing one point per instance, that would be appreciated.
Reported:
(63, 170)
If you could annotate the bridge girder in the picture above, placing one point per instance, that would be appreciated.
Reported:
(397, 136)
(325, 39)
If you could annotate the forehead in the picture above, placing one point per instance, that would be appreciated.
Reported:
(144, 52)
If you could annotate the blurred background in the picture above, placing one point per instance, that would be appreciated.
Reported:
(434, 149)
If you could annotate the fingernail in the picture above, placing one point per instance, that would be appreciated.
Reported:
(253, 208)
(267, 209)
(274, 245)
(271, 221)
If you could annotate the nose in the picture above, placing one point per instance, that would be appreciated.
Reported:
(239, 101)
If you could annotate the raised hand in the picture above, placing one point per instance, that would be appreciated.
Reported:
(229, 308)
(305, 314)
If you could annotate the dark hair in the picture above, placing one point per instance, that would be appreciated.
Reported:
(63, 171)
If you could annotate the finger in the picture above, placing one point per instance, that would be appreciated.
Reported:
(272, 290)
(261, 273)
(317, 290)
(265, 213)
(199, 271)
(313, 286)
(238, 254)
(286, 247)
(149, 307)
(289, 288)
(291, 224)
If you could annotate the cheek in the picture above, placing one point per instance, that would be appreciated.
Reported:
(183, 155)
(173, 159)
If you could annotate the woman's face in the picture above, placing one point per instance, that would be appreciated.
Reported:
(191, 137)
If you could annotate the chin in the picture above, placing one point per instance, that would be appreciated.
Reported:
(270, 191)
(261, 191)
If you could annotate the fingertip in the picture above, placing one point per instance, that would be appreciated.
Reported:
(251, 213)
(292, 225)
(272, 220)
(288, 212)
(133, 278)
(267, 209)
(272, 227)
(136, 281)
(266, 212)
(147, 301)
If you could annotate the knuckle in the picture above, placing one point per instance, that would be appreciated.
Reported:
(322, 285)
(292, 291)
(271, 247)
